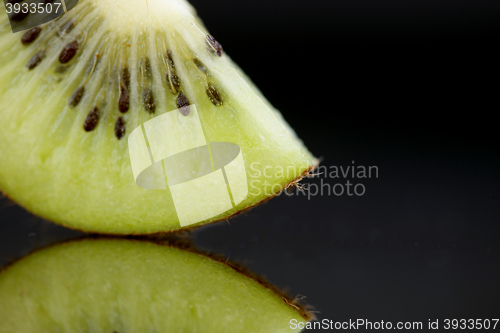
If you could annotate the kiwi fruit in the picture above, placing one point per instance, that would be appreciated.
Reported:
(120, 285)
(75, 90)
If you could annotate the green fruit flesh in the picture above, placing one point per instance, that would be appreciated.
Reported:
(58, 162)
(134, 286)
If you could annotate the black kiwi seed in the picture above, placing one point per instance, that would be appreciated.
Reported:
(35, 60)
(173, 82)
(149, 102)
(147, 67)
(124, 100)
(91, 120)
(67, 28)
(214, 45)
(170, 59)
(68, 52)
(30, 35)
(77, 96)
(200, 66)
(119, 128)
(125, 79)
(214, 95)
(183, 104)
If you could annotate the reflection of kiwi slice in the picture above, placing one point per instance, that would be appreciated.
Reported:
(111, 285)
(72, 91)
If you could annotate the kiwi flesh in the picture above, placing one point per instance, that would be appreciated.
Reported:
(73, 90)
(119, 285)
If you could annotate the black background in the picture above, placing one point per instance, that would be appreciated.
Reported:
(408, 86)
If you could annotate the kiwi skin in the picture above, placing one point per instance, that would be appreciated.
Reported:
(73, 143)
(111, 246)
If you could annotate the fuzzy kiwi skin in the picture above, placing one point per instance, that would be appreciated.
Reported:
(63, 151)
(118, 285)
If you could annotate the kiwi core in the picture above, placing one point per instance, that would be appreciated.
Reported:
(128, 15)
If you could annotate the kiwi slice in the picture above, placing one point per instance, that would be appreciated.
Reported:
(119, 285)
(77, 96)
